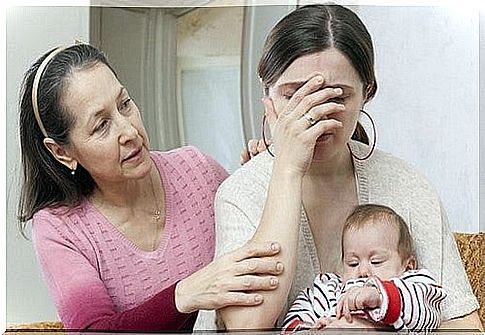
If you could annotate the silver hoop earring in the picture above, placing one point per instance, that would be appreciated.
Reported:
(373, 142)
(263, 135)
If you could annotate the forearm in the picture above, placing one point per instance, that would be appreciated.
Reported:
(279, 223)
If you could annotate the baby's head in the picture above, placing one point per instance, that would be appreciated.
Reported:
(376, 242)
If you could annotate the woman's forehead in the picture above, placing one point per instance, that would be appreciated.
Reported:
(91, 86)
(331, 64)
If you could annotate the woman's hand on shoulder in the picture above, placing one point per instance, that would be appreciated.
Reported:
(253, 148)
(231, 280)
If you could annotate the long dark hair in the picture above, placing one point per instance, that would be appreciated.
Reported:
(46, 182)
(315, 28)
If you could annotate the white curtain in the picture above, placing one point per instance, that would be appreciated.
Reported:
(159, 84)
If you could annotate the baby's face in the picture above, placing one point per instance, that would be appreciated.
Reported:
(372, 251)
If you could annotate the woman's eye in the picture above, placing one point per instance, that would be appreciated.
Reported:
(376, 262)
(125, 104)
(101, 126)
(352, 264)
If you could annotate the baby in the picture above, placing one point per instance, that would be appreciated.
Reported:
(379, 280)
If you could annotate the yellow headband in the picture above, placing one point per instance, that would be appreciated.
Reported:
(35, 86)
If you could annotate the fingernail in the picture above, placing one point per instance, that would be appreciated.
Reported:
(258, 298)
(319, 79)
(274, 246)
(337, 90)
(273, 281)
(279, 266)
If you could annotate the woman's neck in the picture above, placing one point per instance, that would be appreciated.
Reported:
(127, 193)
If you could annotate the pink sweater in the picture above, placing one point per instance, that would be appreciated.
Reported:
(101, 280)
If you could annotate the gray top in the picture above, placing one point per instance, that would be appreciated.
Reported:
(381, 179)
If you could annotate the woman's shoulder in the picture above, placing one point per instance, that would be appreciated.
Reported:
(58, 213)
(61, 219)
(385, 161)
(190, 162)
(391, 172)
(184, 153)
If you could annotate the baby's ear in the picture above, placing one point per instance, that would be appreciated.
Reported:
(411, 263)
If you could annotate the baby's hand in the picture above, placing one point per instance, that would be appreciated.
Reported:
(358, 299)
(322, 323)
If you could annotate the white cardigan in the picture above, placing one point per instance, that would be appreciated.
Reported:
(381, 179)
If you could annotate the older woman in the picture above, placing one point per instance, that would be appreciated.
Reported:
(317, 71)
(124, 235)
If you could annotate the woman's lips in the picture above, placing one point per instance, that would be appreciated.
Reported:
(133, 156)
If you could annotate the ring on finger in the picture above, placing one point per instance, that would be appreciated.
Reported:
(311, 121)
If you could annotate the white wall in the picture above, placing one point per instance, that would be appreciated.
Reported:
(30, 32)
(426, 109)
(208, 74)
(210, 32)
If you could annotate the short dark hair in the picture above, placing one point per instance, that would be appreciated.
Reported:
(315, 28)
(363, 215)
(46, 182)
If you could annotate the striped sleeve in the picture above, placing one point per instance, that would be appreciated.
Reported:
(410, 302)
(313, 303)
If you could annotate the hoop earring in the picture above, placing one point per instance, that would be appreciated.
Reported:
(373, 142)
(264, 136)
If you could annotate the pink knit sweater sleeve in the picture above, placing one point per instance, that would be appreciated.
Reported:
(82, 301)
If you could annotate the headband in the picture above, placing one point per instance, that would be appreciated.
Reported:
(35, 85)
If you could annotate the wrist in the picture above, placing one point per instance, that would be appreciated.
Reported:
(181, 299)
(290, 173)
(377, 297)
(376, 294)
(390, 307)
(378, 313)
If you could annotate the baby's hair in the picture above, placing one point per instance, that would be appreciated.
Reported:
(368, 214)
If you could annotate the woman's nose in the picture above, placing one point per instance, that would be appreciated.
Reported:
(128, 131)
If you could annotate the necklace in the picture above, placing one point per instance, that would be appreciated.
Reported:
(157, 216)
